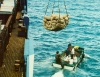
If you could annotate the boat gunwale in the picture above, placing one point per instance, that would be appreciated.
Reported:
(80, 58)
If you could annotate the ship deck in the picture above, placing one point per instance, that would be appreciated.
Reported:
(14, 51)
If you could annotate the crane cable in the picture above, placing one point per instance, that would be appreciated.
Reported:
(56, 22)
(65, 7)
(53, 7)
(59, 9)
(47, 7)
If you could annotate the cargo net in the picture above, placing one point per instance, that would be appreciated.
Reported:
(56, 21)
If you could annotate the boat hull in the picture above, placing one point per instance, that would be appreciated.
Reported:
(65, 67)
(68, 66)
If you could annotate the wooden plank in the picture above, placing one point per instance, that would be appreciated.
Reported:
(8, 21)
(15, 50)
(18, 15)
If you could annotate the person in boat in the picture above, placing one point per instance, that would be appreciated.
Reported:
(58, 59)
(74, 58)
(76, 48)
(68, 51)
(67, 58)
(72, 52)
(71, 60)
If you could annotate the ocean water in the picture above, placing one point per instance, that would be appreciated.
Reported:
(83, 28)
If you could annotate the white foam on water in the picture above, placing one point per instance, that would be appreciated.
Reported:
(88, 56)
(58, 74)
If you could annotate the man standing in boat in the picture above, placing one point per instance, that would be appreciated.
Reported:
(71, 50)
(68, 51)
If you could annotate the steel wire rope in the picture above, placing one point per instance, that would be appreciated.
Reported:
(65, 7)
(53, 7)
(47, 7)
(66, 10)
(59, 9)
(62, 20)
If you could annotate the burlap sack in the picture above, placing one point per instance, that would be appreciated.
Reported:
(61, 21)
(54, 22)
(66, 18)
(44, 24)
(48, 18)
(44, 20)
(66, 22)
(54, 16)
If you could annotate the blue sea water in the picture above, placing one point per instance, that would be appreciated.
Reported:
(83, 28)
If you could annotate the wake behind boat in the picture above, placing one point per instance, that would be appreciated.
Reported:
(67, 62)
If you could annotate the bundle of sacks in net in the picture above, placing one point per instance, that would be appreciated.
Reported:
(56, 22)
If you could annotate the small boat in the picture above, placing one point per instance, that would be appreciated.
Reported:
(66, 65)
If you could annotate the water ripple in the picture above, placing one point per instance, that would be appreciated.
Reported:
(83, 28)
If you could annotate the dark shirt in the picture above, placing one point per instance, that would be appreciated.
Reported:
(58, 59)
(68, 52)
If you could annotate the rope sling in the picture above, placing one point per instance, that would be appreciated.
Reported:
(56, 21)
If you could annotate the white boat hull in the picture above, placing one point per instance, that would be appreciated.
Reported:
(71, 67)
(65, 67)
